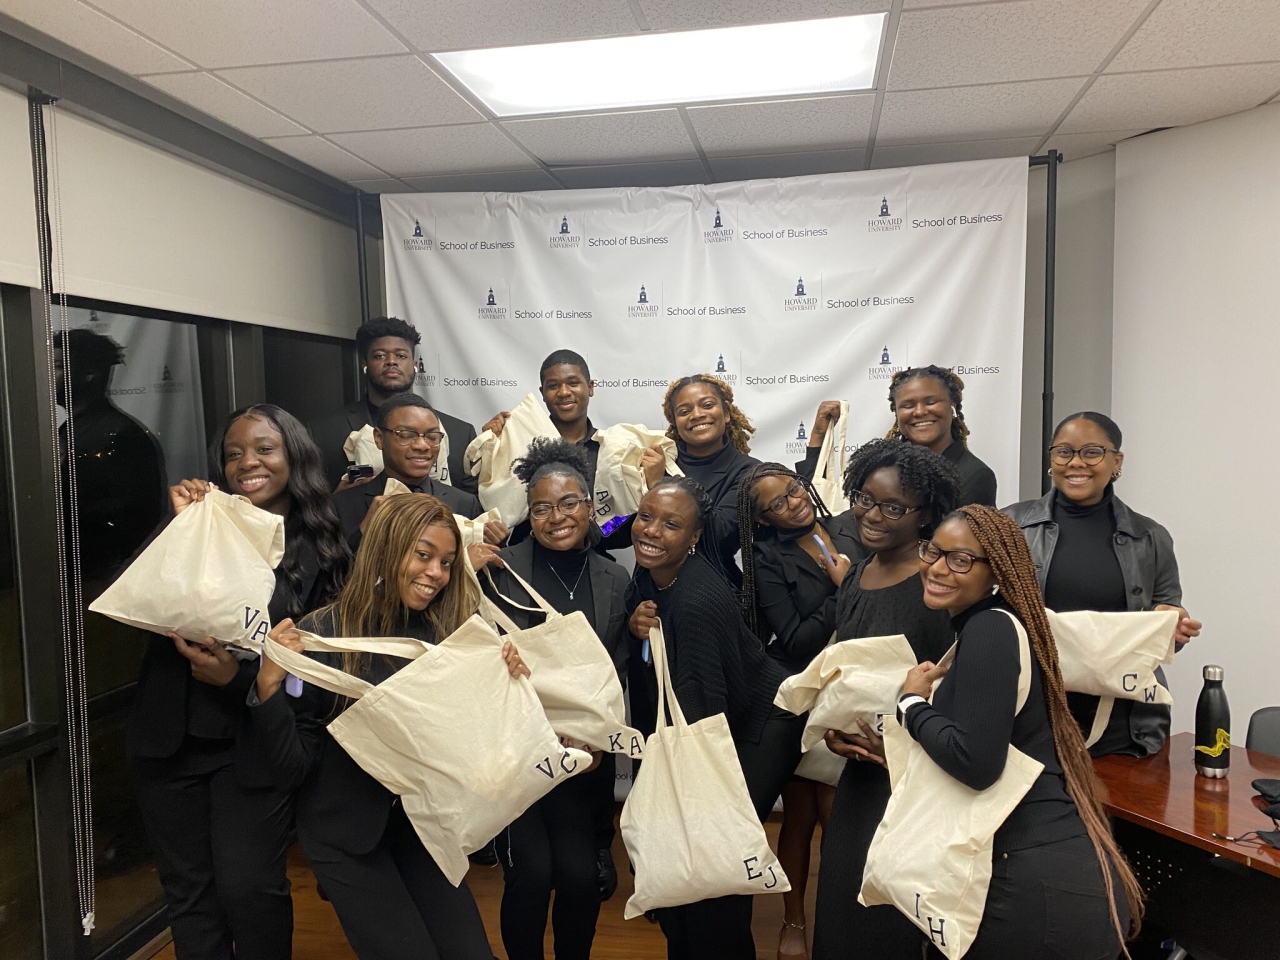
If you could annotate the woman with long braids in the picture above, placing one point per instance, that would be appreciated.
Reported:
(717, 666)
(900, 492)
(713, 440)
(789, 589)
(391, 898)
(1092, 552)
(219, 824)
(556, 844)
(1060, 888)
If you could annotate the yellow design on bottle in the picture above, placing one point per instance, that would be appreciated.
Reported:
(1223, 741)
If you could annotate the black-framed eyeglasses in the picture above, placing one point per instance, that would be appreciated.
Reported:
(404, 436)
(890, 511)
(958, 561)
(1090, 453)
(778, 505)
(567, 506)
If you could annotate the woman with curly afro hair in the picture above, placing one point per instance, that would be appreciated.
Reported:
(713, 442)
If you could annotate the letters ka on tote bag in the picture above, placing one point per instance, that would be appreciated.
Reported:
(688, 823)
(828, 478)
(464, 745)
(490, 457)
(572, 674)
(360, 447)
(931, 855)
(620, 482)
(209, 573)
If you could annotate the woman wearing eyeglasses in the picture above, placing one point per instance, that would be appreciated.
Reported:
(1093, 553)
(900, 492)
(555, 844)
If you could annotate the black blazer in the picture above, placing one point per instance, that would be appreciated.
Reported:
(330, 432)
(608, 590)
(353, 504)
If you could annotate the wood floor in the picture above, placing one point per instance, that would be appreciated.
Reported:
(317, 935)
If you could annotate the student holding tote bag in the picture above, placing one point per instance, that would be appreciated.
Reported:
(219, 826)
(392, 899)
(717, 666)
(1060, 888)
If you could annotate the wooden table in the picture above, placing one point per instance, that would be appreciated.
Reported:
(1162, 793)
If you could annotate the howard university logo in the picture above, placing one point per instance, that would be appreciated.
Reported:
(718, 233)
(801, 302)
(564, 238)
(886, 368)
(419, 241)
(884, 222)
(724, 374)
(642, 309)
(491, 310)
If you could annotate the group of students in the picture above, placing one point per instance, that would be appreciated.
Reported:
(228, 765)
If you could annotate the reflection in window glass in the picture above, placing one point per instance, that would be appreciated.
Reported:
(13, 708)
(20, 937)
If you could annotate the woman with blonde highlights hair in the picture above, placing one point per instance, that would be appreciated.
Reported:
(389, 894)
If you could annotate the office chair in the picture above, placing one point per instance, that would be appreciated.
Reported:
(1264, 731)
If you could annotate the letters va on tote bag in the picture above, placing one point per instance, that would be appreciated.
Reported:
(572, 674)
(931, 854)
(620, 482)
(464, 745)
(209, 573)
(688, 823)
(360, 447)
(848, 681)
(828, 478)
(490, 458)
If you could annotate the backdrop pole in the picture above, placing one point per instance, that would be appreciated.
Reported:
(1050, 160)
(361, 258)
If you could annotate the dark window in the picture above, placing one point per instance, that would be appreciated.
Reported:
(20, 937)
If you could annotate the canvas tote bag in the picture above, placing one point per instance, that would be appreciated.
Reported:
(572, 674)
(828, 477)
(931, 854)
(490, 457)
(620, 482)
(848, 681)
(464, 745)
(360, 447)
(209, 573)
(688, 823)
(1114, 656)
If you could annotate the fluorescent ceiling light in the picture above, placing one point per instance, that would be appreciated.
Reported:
(733, 63)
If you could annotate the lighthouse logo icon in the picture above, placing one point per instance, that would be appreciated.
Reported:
(417, 228)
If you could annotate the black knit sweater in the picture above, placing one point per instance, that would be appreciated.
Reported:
(717, 664)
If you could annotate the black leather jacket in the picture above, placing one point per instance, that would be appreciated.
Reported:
(1145, 552)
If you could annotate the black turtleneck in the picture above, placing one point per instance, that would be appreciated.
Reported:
(719, 474)
(1084, 573)
(557, 573)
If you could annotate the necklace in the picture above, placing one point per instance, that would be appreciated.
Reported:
(568, 590)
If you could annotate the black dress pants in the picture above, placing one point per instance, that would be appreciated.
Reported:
(720, 928)
(220, 852)
(394, 903)
(553, 847)
(843, 928)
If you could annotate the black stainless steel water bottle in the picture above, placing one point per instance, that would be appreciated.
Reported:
(1213, 726)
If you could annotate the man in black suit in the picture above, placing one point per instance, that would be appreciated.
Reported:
(386, 346)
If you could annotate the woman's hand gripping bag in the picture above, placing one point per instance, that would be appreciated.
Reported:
(490, 457)
(620, 481)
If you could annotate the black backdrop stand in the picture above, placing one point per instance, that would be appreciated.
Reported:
(1051, 161)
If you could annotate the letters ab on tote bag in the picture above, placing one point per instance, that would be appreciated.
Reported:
(931, 855)
(620, 482)
(490, 457)
(209, 573)
(464, 745)
(688, 823)
(360, 447)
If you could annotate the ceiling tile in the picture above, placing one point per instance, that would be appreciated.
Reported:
(436, 27)
(781, 126)
(606, 137)
(510, 181)
(433, 150)
(1201, 33)
(1170, 98)
(688, 15)
(915, 155)
(998, 42)
(992, 112)
(786, 165)
(233, 33)
(89, 31)
(1077, 146)
(323, 155)
(379, 93)
(917, 4)
(206, 92)
(671, 173)
(381, 186)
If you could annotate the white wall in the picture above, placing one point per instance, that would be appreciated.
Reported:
(19, 252)
(1196, 352)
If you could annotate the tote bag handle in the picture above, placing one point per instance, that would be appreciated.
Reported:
(666, 688)
(831, 455)
(330, 678)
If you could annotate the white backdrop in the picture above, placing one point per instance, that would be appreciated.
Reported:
(794, 290)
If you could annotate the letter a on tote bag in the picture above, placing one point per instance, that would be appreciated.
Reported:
(209, 573)
(828, 478)
(620, 482)
(490, 457)
(688, 823)
(931, 855)
(464, 745)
